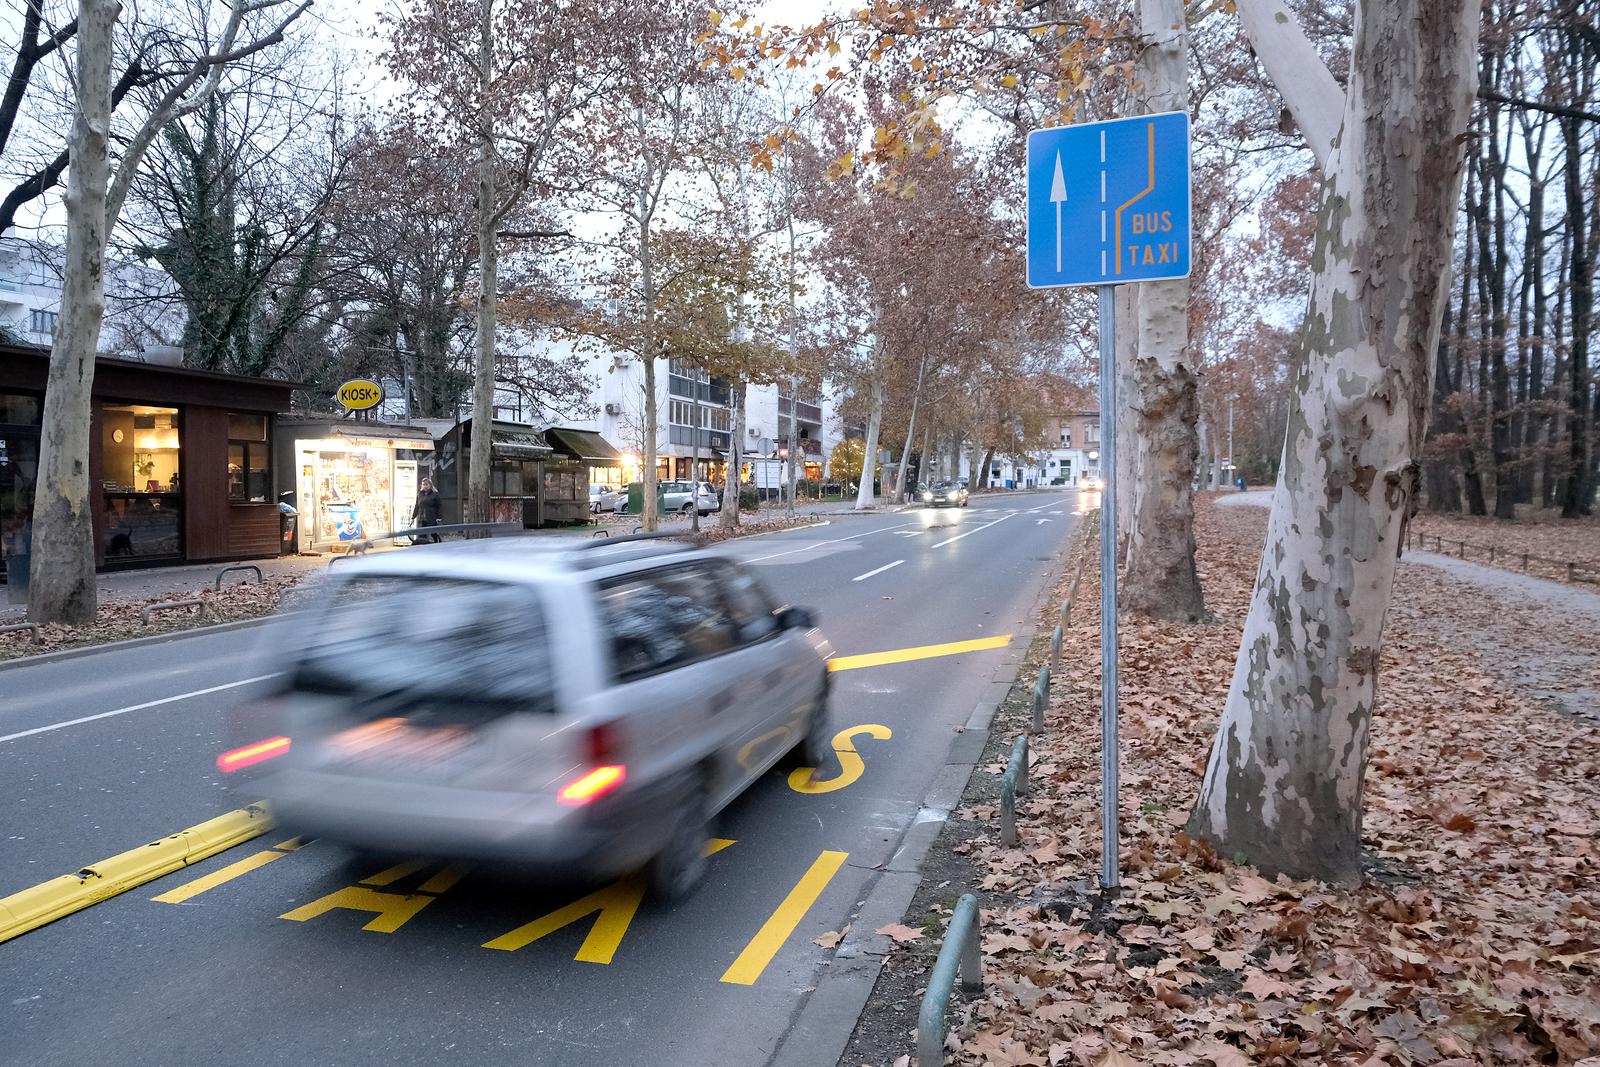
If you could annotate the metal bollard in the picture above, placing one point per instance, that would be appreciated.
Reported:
(1041, 697)
(1008, 812)
(18, 627)
(238, 567)
(959, 953)
(1017, 765)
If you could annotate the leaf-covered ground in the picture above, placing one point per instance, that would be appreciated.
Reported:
(118, 620)
(1473, 938)
(1549, 541)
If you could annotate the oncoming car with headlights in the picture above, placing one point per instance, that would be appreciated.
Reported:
(576, 712)
(945, 494)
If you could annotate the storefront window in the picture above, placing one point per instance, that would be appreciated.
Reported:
(249, 468)
(354, 494)
(505, 478)
(19, 471)
(142, 492)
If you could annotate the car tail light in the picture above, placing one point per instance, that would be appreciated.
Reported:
(605, 744)
(239, 758)
(597, 783)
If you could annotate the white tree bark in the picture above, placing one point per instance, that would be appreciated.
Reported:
(1310, 92)
(865, 498)
(1283, 786)
(729, 516)
(61, 574)
(1160, 579)
(911, 429)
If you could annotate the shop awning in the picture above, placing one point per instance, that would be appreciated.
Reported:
(506, 444)
(583, 445)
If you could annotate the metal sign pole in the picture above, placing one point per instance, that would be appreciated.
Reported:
(1110, 874)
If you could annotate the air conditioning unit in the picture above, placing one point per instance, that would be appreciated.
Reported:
(755, 431)
(613, 409)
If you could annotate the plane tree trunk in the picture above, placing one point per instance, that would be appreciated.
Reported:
(61, 574)
(1160, 579)
(865, 498)
(1283, 786)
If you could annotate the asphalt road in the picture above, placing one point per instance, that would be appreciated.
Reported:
(101, 753)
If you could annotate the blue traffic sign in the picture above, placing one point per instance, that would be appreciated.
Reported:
(1108, 202)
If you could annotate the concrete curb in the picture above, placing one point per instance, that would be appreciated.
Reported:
(78, 651)
(821, 1029)
(46, 902)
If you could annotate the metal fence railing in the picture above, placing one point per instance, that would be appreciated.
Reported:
(1574, 571)
(959, 953)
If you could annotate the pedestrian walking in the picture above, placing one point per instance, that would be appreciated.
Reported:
(426, 511)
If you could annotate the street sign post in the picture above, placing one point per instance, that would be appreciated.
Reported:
(1108, 204)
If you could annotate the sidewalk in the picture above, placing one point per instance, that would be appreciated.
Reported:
(147, 583)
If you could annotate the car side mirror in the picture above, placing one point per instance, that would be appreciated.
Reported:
(796, 619)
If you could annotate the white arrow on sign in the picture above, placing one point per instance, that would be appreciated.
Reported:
(1058, 196)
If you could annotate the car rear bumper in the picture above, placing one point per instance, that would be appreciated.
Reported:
(533, 832)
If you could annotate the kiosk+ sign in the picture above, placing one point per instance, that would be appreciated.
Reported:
(359, 394)
(1108, 203)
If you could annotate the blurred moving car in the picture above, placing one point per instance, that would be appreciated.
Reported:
(1090, 483)
(945, 494)
(576, 711)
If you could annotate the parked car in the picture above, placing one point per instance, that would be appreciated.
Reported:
(675, 496)
(945, 494)
(582, 711)
(607, 498)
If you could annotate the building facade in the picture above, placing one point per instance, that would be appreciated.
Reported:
(181, 461)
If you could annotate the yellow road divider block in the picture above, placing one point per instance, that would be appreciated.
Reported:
(905, 655)
(46, 902)
(781, 923)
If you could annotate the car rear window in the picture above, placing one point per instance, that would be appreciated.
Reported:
(430, 637)
(664, 619)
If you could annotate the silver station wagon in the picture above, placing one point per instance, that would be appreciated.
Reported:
(581, 711)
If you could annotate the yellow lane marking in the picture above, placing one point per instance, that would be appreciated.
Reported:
(391, 875)
(805, 779)
(615, 906)
(781, 923)
(193, 888)
(48, 901)
(445, 878)
(903, 655)
(391, 910)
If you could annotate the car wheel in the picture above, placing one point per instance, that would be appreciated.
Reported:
(816, 746)
(686, 509)
(677, 870)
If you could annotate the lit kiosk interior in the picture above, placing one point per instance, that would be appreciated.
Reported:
(352, 480)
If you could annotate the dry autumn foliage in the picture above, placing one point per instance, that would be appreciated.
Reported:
(1471, 938)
